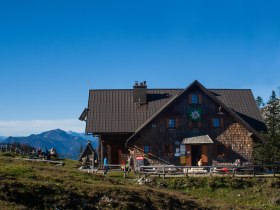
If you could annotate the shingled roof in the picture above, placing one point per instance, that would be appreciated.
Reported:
(243, 103)
(113, 111)
(203, 139)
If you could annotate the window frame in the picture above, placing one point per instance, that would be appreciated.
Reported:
(147, 149)
(216, 122)
(194, 99)
(170, 124)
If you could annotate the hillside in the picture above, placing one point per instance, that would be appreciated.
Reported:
(2, 138)
(26, 185)
(94, 141)
(65, 143)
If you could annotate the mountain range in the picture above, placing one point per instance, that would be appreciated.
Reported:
(64, 142)
(2, 138)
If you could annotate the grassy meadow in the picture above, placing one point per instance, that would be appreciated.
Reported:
(35, 185)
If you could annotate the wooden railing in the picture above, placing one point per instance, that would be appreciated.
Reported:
(234, 171)
(67, 156)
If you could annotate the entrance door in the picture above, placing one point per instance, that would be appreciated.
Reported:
(114, 154)
(196, 154)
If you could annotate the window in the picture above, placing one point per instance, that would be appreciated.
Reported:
(194, 99)
(172, 123)
(154, 125)
(216, 122)
(146, 149)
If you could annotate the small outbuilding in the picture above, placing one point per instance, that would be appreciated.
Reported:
(89, 155)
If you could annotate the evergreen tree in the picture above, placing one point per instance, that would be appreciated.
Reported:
(259, 101)
(269, 152)
(272, 114)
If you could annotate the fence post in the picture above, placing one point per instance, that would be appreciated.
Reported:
(233, 171)
(254, 174)
(139, 173)
(273, 171)
(163, 171)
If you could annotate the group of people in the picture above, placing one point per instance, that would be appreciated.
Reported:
(89, 161)
(48, 154)
(129, 165)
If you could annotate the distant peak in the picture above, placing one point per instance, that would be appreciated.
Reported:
(57, 130)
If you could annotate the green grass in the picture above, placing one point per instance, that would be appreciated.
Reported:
(247, 192)
(35, 185)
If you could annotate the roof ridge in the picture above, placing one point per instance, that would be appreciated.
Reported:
(229, 89)
(147, 89)
(172, 89)
(207, 92)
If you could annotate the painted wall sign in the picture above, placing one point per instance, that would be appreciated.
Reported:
(177, 142)
(182, 147)
(183, 160)
(140, 158)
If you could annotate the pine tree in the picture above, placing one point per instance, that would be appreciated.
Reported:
(272, 119)
(260, 102)
(272, 114)
(269, 152)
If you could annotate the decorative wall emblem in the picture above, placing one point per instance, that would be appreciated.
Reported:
(195, 114)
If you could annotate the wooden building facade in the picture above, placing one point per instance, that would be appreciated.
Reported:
(174, 126)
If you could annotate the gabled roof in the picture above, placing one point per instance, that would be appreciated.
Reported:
(203, 139)
(83, 116)
(243, 103)
(87, 151)
(113, 111)
(214, 98)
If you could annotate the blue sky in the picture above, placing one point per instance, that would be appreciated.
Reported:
(51, 52)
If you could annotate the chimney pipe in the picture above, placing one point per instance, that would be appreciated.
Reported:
(140, 93)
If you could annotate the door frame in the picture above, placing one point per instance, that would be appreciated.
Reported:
(204, 154)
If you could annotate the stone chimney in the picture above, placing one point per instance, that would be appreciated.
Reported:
(139, 92)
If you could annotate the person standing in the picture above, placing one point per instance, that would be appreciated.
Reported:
(199, 162)
(131, 163)
(105, 165)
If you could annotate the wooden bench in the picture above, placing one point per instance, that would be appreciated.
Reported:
(46, 161)
(197, 171)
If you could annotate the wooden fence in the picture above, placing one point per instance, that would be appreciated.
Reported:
(197, 171)
(234, 171)
(68, 156)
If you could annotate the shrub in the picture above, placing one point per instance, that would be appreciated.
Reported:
(196, 182)
(217, 182)
(275, 184)
(239, 183)
(176, 183)
(8, 154)
(185, 183)
(17, 171)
